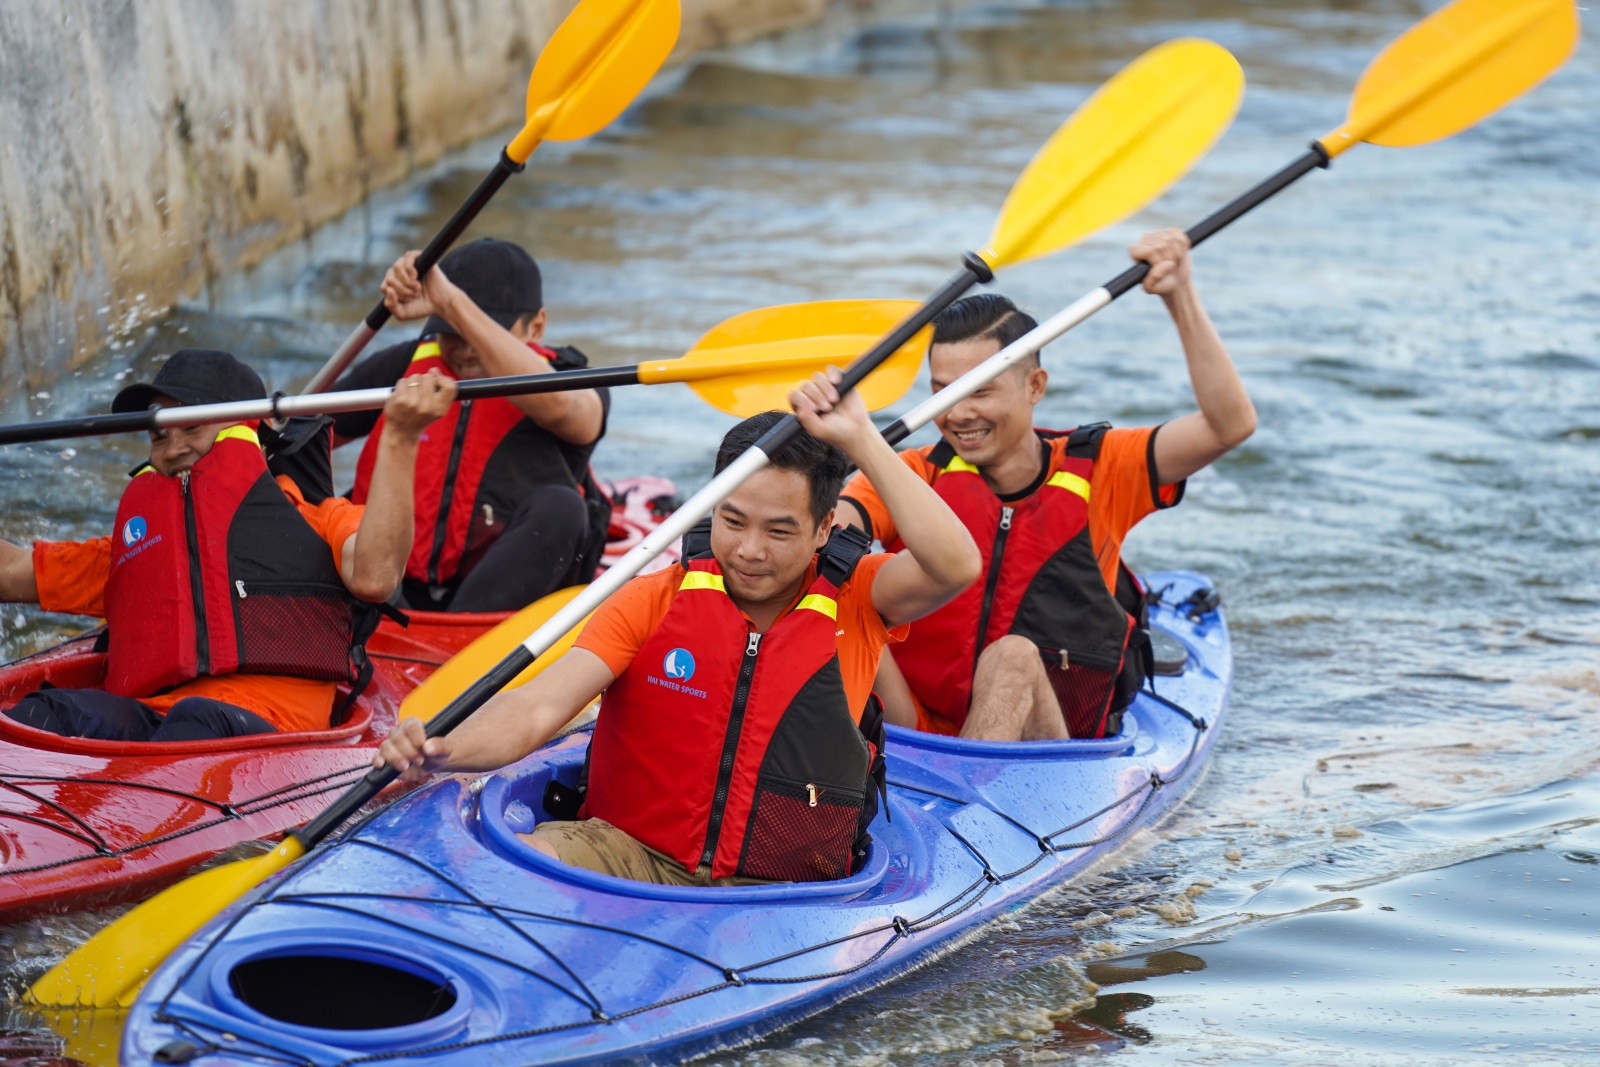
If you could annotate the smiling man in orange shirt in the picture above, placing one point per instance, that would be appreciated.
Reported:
(1039, 648)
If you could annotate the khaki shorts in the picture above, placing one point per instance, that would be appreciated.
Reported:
(596, 845)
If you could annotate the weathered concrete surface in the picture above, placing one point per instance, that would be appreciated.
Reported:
(146, 145)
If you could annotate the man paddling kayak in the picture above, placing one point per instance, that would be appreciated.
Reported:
(727, 748)
(1048, 644)
(232, 605)
(506, 507)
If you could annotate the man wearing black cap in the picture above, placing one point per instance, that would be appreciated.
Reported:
(233, 606)
(506, 508)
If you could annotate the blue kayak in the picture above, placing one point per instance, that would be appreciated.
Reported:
(431, 934)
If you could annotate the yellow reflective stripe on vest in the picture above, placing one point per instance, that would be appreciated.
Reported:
(1070, 482)
(426, 350)
(819, 603)
(240, 433)
(959, 464)
(703, 580)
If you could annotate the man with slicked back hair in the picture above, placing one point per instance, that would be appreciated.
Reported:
(1048, 643)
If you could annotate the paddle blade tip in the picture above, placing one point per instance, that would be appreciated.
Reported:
(596, 63)
(1139, 133)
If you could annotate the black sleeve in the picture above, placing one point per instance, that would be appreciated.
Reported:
(377, 371)
(1155, 477)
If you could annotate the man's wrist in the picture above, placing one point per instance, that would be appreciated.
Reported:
(395, 437)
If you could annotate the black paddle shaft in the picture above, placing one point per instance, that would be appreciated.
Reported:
(973, 272)
(456, 713)
(503, 168)
(1315, 157)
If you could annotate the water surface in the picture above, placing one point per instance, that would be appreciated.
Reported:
(1407, 545)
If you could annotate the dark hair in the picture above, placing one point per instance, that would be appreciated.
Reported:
(987, 316)
(823, 465)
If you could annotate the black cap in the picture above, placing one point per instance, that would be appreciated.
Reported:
(195, 376)
(499, 276)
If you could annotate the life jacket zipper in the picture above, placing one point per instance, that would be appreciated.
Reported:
(441, 522)
(197, 588)
(730, 748)
(992, 582)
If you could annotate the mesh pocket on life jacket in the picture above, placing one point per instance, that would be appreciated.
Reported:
(800, 832)
(297, 629)
(1084, 694)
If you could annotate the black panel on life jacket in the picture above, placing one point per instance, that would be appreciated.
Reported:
(1066, 607)
(793, 751)
(303, 450)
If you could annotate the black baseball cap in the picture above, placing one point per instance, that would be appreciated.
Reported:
(195, 376)
(499, 276)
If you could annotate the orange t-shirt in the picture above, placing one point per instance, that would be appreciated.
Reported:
(620, 626)
(1122, 491)
(71, 576)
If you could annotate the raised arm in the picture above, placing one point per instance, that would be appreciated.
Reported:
(940, 558)
(511, 725)
(1226, 416)
(373, 559)
(575, 416)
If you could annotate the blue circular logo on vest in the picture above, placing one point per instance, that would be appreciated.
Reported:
(133, 530)
(679, 664)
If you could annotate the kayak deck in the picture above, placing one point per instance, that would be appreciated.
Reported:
(473, 945)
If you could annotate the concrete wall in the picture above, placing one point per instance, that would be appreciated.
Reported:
(146, 145)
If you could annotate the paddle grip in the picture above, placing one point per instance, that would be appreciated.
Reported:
(560, 381)
(1315, 157)
(503, 168)
(973, 271)
(456, 713)
(83, 426)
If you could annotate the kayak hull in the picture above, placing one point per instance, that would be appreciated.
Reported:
(86, 823)
(542, 963)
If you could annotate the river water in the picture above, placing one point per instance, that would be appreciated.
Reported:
(1394, 858)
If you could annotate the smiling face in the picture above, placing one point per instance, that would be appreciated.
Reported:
(763, 536)
(997, 421)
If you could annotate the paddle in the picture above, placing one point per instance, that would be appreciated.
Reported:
(1451, 70)
(1095, 170)
(743, 365)
(600, 58)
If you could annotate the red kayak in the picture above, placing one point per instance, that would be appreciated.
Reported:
(86, 823)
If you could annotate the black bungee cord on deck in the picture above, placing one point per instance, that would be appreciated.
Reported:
(898, 927)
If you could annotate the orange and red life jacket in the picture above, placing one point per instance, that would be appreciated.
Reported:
(1040, 580)
(215, 571)
(737, 750)
(474, 467)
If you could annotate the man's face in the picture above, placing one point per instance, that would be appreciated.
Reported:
(177, 448)
(763, 535)
(464, 361)
(997, 419)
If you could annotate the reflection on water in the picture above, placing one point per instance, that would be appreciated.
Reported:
(1406, 545)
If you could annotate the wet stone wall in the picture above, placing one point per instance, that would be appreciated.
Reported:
(149, 145)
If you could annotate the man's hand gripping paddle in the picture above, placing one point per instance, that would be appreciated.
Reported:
(600, 58)
(1451, 70)
(1136, 136)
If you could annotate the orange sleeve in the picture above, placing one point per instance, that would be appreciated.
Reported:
(860, 492)
(865, 635)
(335, 519)
(619, 628)
(1122, 491)
(71, 575)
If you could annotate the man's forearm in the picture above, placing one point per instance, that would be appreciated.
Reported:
(573, 416)
(1217, 387)
(383, 540)
(937, 539)
(18, 585)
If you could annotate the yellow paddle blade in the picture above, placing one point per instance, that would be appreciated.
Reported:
(1456, 67)
(600, 58)
(109, 969)
(751, 362)
(1139, 133)
(92, 1036)
(474, 661)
